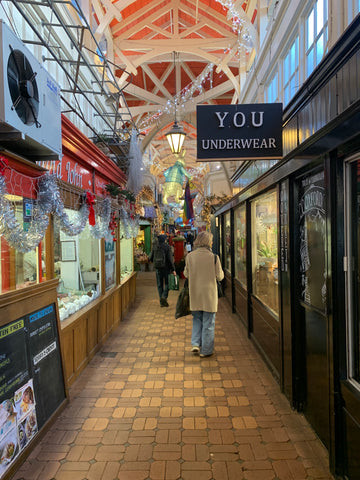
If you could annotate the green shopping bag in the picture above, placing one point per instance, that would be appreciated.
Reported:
(173, 282)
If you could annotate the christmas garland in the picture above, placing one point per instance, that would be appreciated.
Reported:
(49, 201)
(13, 232)
(103, 219)
(48, 184)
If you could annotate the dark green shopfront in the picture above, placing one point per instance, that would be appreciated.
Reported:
(290, 246)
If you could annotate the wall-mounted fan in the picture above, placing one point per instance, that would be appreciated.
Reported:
(23, 88)
(30, 102)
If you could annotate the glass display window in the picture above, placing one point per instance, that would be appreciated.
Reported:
(221, 238)
(17, 269)
(352, 228)
(126, 257)
(227, 227)
(110, 261)
(240, 244)
(77, 265)
(264, 249)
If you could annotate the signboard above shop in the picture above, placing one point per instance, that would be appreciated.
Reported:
(239, 132)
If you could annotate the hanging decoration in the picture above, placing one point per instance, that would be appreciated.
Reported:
(70, 227)
(49, 201)
(211, 204)
(135, 164)
(240, 25)
(113, 226)
(186, 94)
(174, 179)
(129, 223)
(188, 212)
(112, 189)
(103, 219)
(10, 228)
(146, 194)
(90, 201)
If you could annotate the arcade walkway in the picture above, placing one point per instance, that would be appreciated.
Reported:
(148, 409)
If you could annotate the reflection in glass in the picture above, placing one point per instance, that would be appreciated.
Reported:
(354, 280)
(17, 269)
(110, 261)
(240, 244)
(126, 257)
(312, 238)
(264, 229)
(227, 241)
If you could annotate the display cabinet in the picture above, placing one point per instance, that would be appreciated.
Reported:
(77, 266)
(126, 257)
(264, 249)
(240, 244)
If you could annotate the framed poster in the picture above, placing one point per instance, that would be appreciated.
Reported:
(68, 251)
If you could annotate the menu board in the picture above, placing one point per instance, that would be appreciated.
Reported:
(31, 380)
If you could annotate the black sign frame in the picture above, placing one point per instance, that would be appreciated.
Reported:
(239, 132)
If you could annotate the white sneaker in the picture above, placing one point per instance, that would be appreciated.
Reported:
(195, 350)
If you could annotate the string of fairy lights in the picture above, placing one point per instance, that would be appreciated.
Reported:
(187, 94)
(197, 86)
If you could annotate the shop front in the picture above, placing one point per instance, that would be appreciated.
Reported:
(66, 281)
(294, 255)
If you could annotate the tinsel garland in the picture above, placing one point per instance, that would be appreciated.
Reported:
(129, 224)
(13, 232)
(71, 228)
(103, 219)
(48, 201)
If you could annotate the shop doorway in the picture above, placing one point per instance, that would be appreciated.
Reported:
(350, 384)
(311, 376)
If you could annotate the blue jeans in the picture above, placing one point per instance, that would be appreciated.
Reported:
(203, 331)
(162, 281)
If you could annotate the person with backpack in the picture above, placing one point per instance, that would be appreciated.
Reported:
(161, 257)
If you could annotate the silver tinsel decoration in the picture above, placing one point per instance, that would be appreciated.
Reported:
(69, 227)
(48, 201)
(103, 217)
(13, 232)
(124, 223)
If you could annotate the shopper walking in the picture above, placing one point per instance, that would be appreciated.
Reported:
(162, 258)
(203, 268)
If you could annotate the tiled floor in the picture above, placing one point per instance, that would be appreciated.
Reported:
(146, 408)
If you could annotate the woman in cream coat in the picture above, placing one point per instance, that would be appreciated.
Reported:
(202, 271)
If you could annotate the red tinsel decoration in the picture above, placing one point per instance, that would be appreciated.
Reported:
(113, 226)
(90, 200)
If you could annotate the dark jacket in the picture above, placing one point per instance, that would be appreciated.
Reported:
(168, 254)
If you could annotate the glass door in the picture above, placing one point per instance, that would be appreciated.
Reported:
(353, 281)
(311, 322)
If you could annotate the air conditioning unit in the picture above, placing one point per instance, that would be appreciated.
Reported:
(30, 105)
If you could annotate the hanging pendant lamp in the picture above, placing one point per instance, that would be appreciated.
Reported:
(176, 135)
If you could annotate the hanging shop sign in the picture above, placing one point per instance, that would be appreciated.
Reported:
(69, 171)
(246, 132)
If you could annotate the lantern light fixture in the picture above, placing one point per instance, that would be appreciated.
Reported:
(176, 135)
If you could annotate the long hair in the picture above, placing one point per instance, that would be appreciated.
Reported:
(204, 239)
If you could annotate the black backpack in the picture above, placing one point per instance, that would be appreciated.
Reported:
(159, 257)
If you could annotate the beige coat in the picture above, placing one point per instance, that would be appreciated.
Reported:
(202, 273)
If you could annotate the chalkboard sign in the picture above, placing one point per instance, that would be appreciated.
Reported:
(31, 380)
(312, 230)
(45, 361)
(14, 365)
